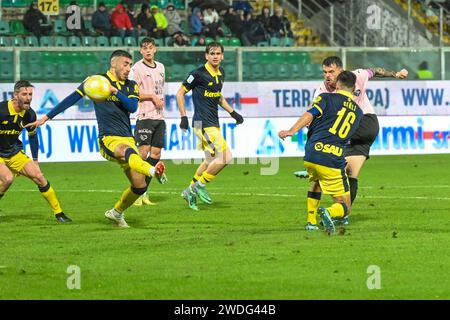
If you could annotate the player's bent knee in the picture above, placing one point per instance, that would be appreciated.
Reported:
(138, 191)
(7, 180)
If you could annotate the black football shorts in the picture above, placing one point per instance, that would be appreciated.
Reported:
(364, 137)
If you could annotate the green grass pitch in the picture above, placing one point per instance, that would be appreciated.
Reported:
(250, 244)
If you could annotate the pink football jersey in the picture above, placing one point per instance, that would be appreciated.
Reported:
(360, 96)
(150, 81)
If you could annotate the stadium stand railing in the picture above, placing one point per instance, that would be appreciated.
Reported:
(74, 64)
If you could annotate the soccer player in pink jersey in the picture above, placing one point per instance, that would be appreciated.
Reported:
(357, 151)
(150, 130)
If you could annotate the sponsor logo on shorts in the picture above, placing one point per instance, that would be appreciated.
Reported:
(328, 148)
(145, 131)
(143, 137)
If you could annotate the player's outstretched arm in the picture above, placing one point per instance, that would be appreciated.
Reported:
(224, 104)
(69, 101)
(381, 72)
(304, 120)
(184, 124)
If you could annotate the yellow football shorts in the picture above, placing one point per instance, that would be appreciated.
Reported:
(16, 162)
(109, 143)
(211, 140)
(332, 181)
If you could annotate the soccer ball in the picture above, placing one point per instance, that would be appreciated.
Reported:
(97, 88)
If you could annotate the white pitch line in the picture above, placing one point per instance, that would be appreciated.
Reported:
(236, 194)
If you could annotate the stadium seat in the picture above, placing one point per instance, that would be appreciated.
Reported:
(103, 57)
(18, 42)
(64, 71)
(287, 42)
(230, 71)
(283, 72)
(60, 41)
(79, 72)
(263, 44)
(304, 58)
(5, 41)
(175, 72)
(16, 28)
(35, 71)
(179, 4)
(4, 27)
(223, 41)
(159, 42)
(235, 42)
(30, 57)
(88, 26)
(251, 57)
(88, 41)
(49, 72)
(24, 71)
(246, 72)
(6, 58)
(275, 42)
(115, 42)
(271, 71)
(31, 41)
(129, 42)
(60, 27)
(46, 41)
(208, 40)
(256, 73)
(102, 41)
(6, 73)
(74, 41)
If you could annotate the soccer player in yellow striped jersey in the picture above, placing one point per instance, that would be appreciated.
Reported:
(14, 115)
(332, 119)
(206, 85)
(116, 139)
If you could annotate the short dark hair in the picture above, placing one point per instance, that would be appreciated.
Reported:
(328, 61)
(146, 41)
(213, 45)
(347, 78)
(22, 84)
(120, 53)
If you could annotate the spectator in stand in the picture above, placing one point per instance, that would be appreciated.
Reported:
(121, 22)
(101, 21)
(161, 22)
(35, 22)
(280, 25)
(173, 20)
(234, 21)
(180, 40)
(74, 25)
(264, 19)
(200, 42)
(196, 21)
(212, 23)
(132, 14)
(146, 20)
(243, 6)
(254, 30)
